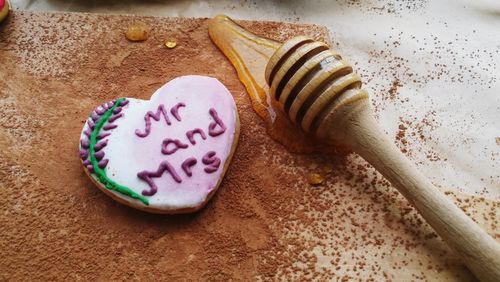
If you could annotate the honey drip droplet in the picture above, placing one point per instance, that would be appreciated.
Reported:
(249, 55)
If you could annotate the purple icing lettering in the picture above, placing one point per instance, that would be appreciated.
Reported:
(99, 155)
(190, 135)
(110, 126)
(187, 164)
(175, 110)
(156, 116)
(103, 163)
(117, 110)
(178, 145)
(148, 175)
(212, 128)
(211, 161)
(85, 143)
(115, 117)
(100, 145)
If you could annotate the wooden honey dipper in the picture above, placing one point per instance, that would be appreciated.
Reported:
(319, 91)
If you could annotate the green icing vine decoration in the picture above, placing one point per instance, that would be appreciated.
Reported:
(101, 173)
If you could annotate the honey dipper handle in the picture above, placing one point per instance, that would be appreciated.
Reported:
(355, 125)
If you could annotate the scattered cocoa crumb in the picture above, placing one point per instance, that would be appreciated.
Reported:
(394, 88)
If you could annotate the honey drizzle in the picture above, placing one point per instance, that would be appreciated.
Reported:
(249, 55)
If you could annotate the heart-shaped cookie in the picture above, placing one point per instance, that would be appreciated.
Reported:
(167, 154)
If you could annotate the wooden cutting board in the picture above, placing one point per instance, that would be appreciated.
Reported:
(265, 222)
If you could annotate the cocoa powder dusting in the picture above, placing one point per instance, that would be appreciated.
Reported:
(266, 221)
(394, 88)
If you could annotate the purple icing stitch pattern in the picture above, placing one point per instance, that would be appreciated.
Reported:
(84, 141)
(91, 124)
(190, 135)
(99, 155)
(101, 144)
(212, 128)
(178, 145)
(175, 110)
(102, 135)
(187, 164)
(148, 175)
(103, 163)
(116, 116)
(95, 116)
(109, 126)
(156, 116)
(211, 161)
